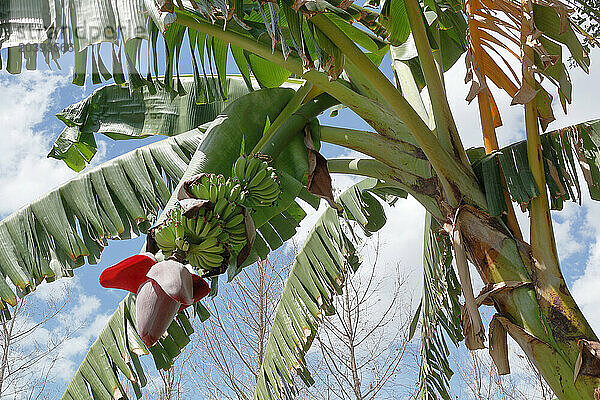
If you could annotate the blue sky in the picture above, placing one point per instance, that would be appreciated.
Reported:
(29, 101)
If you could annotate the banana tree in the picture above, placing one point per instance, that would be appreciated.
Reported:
(414, 148)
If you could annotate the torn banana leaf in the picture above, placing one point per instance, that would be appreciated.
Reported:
(119, 113)
(438, 312)
(327, 257)
(70, 225)
(115, 354)
(562, 151)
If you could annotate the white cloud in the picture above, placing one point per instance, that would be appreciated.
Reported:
(585, 287)
(25, 172)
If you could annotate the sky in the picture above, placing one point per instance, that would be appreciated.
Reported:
(29, 101)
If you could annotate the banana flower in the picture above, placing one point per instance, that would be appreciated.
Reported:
(163, 289)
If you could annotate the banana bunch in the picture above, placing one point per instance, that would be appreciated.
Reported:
(207, 240)
(202, 241)
(227, 198)
(208, 254)
(217, 190)
(171, 236)
(165, 236)
(235, 227)
(259, 181)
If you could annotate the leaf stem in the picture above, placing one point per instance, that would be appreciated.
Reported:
(446, 166)
(391, 176)
(375, 77)
(543, 244)
(460, 177)
(395, 154)
(444, 121)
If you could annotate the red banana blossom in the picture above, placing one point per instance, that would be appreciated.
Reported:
(163, 289)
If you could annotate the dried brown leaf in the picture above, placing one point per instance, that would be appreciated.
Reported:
(588, 360)
(524, 95)
(319, 179)
(487, 293)
(499, 346)
(471, 319)
(250, 236)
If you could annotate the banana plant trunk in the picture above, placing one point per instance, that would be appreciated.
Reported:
(534, 306)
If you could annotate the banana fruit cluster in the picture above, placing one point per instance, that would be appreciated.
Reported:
(259, 181)
(218, 229)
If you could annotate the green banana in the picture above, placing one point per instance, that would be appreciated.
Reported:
(234, 221)
(215, 231)
(211, 260)
(220, 207)
(235, 240)
(223, 237)
(228, 211)
(258, 178)
(207, 243)
(200, 191)
(165, 237)
(265, 184)
(203, 260)
(207, 227)
(200, 223)
(234, 195)
(252, 167)
(213, 192)
(182, 244)
(240, 167)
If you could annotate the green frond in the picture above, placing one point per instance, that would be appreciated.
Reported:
(438, 312)
(130, 26)
(324, 261)
(117, 112)
(562, 151)
(115, 354)
(70, 225)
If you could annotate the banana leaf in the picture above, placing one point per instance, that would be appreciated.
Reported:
(325, 260)
(438, 312)
(63, 229)
(119, 113)
(562, 150)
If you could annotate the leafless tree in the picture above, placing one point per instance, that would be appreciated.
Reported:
(173, 383)
(231, 343)
(362, 346)
(29, 349)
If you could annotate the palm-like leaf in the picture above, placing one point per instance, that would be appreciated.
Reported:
(439, 313)
(37, 26)
(61, 230)
(118, 113)
(116, 352)
(499, 35)
(325, 260)
(562, 150)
